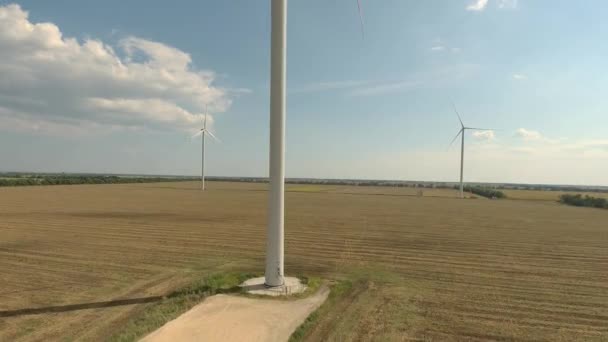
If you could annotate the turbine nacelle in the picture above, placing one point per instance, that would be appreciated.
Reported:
(205, 131)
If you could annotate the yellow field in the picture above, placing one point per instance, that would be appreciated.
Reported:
(537, 195)
(429, 268)
(374, 190)
(308, 188)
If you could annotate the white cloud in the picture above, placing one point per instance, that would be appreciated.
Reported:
(519, 77)
(434, 78)
(587, 146)
(438, 45)
(477, 5)
(480, 5)
(528, 135)
(356, 88)
(499, 161)
(484, 135)
(507, 4)
(27, 124)
(52, 81)
(385, 87)
(132, 111)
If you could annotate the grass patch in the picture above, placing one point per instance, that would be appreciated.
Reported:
(312, 286)
(312, 283)
(178, 302)
(367, 304)
(338, 291)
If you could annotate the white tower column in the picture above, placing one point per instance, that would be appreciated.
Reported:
(462, 164)
(275, 234)
(203, 161)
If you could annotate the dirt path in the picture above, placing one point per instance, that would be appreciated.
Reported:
(233, 318)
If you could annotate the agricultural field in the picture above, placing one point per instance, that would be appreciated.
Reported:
(373, 190)
(81, 261)
(539, 195)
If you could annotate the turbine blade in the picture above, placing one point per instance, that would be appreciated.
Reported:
(205, 122)
(459, 132)
(361, 18)
(482, 129)
(213, 136)
(197, 134)
(458, 114)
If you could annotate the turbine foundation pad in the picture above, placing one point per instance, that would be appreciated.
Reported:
(256, 286)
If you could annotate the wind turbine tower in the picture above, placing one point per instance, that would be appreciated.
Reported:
(274, 273)
(203, 132)
(462, 132)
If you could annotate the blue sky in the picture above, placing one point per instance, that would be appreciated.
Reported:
(120, 86)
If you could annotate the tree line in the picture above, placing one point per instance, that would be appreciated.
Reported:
(484, 192)
(579, 200)
(81, 179)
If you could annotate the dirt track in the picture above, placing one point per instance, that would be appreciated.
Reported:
(232, 318)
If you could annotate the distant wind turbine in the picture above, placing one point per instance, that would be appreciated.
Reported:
(274, 272)
(461, 132)
(203, 132)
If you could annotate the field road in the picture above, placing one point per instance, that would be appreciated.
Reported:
(236, 319)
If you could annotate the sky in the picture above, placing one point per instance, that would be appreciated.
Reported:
(121, 86)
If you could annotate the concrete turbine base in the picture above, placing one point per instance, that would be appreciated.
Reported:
(256, 286)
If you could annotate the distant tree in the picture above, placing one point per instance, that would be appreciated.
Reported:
(484, 192)
(579, 200)
(66, 179)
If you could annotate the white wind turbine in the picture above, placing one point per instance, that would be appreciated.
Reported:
(274, 273)
(203, 132)
(461, 132)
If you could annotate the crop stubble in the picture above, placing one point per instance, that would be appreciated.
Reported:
(463, 269)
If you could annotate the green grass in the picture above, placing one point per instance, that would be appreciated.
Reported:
(312, 286)
(178, 302)
(337, 292)
(366, 304)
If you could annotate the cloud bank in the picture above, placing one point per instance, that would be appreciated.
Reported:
(519, 77)
(60, 85)
(480, 5)
(507, 4)
(528, 135)
(477, 5)
(484, 135)
(502, 159)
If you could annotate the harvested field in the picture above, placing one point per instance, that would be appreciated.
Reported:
(375, 190)
(538, 195)
(80, 261)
